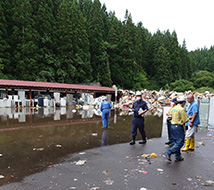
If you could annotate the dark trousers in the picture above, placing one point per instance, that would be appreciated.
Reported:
(138, 123)
(178, 133)
(169, 128)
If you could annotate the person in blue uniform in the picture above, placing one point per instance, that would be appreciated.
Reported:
(105, 109)
(140, 108)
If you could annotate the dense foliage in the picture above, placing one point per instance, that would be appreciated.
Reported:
(78, 41)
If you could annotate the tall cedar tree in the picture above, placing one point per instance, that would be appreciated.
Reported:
(44, 22)
(162, 60)
(127, 49)
(99, 56)
(115, 37)
(25, 39)
(4, 45)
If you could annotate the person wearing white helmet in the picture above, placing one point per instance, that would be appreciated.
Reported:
(179, 118)
(140, 108)
(193, 114)
(105, 109)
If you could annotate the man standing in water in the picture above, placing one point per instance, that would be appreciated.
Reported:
(140, 108)
(193, 114)
(179, 118)
(105, 107)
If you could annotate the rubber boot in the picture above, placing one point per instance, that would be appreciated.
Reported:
(186, 145)
(142, 142)
(133, 141)
(192, 144)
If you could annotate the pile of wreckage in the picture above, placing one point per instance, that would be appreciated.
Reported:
(155, 100)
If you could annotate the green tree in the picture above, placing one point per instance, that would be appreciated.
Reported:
(4, 45)
(203, 79)
(45, 22)
(175, 57)
(24, 41)
(114, 50)
(99, 57)
(182, 85)
(163, 62)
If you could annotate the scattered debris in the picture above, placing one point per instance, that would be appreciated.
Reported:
(201, 143)
(207, 184)
(1, 176)
(106, 172)
(82, 153)
(108, 181)
(210, 182)
(160, 170)
(152, 155)
(1, 155)
(143, 188)
(173, 183)
(59, 146)
(95, 188)
(54, 165)
(94, 134)
(189, 179)
(144, 172)
(198, 177)
(38, 149)
(81, 162)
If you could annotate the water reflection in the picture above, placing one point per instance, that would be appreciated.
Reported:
(104, 138)
(32, 140)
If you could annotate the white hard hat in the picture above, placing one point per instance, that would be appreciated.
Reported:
(181, 99)
(138, 93)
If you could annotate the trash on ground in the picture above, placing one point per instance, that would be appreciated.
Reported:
(201, 143)
(207, 184)
(94, 134)
(95, 188)
(173, 183)
(1, 176)
(160, 170)
(152, 155)
(209, 181)
(108, 181)
(143, 188)
(106, 172)
(82, 153)
(144, 172)
(54, 165)
(198, 177)
(81, 162)
(38, 149)
(59, 146)
(1, 155)
(189, 179)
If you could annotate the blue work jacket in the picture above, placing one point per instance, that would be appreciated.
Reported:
(137, 105)
(105, 105)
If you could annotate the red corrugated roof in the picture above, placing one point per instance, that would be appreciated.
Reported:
(50, 85)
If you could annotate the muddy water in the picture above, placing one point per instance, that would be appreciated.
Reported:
(33, 140)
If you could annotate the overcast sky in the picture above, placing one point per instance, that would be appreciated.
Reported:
(193, 20)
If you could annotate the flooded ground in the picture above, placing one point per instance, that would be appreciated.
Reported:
(33, 140)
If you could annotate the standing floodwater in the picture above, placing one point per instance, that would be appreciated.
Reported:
(32, 140)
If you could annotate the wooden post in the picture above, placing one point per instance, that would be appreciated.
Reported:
(30, 94)
(6, 92)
